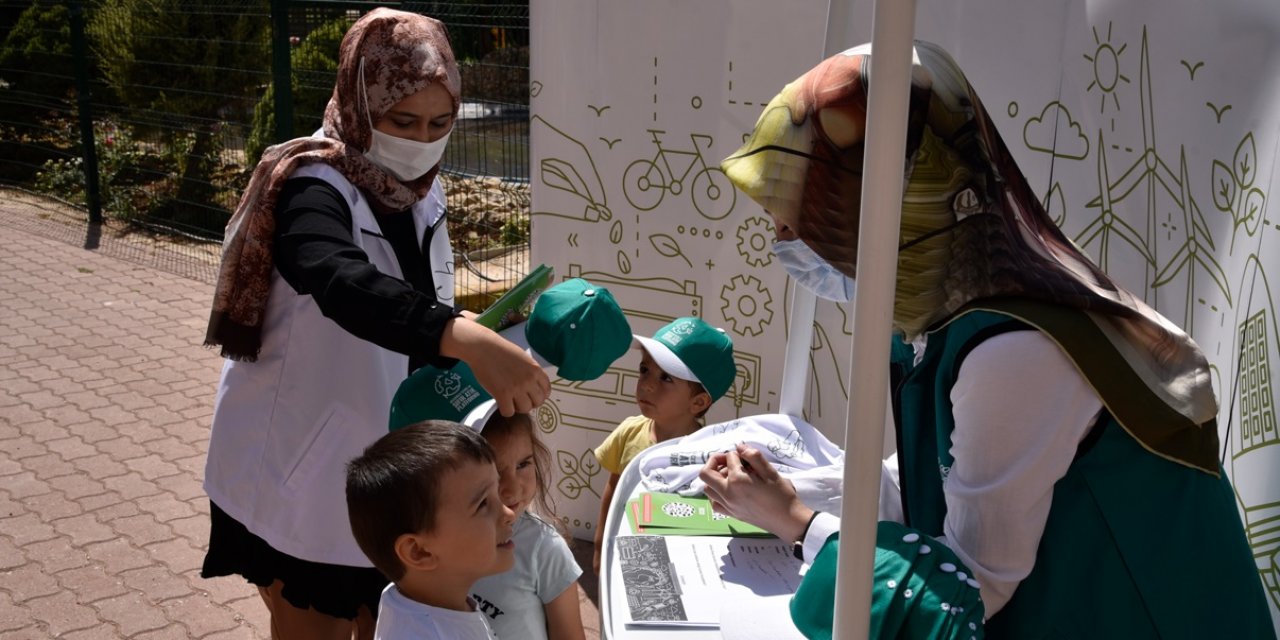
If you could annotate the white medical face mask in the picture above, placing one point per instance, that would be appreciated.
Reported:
(810, 271)
(405, 159)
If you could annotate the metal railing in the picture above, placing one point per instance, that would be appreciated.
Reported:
(151, 114)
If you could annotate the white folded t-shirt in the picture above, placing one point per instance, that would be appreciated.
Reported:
(789, 443)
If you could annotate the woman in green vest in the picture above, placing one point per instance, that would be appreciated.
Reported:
(1057, 444)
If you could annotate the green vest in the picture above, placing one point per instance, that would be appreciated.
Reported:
(1136, 546)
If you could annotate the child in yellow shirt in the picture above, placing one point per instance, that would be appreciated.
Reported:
(684, 368)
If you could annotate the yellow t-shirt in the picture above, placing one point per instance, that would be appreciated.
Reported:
(633, 435)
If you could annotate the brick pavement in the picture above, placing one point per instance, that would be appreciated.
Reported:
(105, 400)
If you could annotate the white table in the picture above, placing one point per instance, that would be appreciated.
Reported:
(613, 600)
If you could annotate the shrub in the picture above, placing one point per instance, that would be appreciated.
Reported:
(501, 76)
(182, 68)
(133, 181)
(315, 63)
(36, 65)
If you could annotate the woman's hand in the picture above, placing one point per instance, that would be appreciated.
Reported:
(510, 375)
(744, 485)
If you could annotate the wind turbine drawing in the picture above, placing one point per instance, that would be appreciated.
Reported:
(1194, 251)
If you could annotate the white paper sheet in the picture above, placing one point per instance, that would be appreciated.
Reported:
(767, 618)
(685, 581)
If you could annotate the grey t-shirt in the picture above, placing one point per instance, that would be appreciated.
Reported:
(513, 601)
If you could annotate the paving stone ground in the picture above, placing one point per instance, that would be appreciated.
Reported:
(105, 400)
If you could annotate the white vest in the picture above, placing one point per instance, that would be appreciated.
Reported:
(285, 426)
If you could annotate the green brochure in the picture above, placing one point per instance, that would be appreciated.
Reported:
(674, 514)
(514, 305)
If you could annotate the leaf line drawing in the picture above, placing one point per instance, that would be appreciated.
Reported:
(1234, 192)
(577, 472)
(667, 246)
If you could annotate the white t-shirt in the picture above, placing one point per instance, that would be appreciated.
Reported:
(513, 601)
(400, 618)
(789, 443)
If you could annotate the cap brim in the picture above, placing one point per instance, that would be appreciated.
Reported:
(667, 359)
(477, 417)
(515, 335)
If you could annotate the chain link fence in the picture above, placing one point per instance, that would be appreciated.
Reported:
(150, 114)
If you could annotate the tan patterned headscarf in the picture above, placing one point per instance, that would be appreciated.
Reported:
(402, 53)
(973, 236)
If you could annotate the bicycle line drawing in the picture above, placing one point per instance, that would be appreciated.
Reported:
(646, 181)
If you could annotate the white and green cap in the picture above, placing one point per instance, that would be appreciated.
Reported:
(691, 349)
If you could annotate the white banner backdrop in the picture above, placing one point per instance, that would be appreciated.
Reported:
(1151, 128)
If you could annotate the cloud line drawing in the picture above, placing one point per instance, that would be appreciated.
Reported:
(1069, 142)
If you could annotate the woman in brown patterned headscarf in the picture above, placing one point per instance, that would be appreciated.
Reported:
(336, 282)
(1054, 432)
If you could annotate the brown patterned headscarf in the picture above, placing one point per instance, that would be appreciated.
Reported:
(386, 56)
(973, 235)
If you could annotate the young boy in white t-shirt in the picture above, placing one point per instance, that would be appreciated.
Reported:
(433, 544)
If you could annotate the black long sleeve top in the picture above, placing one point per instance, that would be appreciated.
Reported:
(316, 254)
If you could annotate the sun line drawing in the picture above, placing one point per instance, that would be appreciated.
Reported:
(1106, 68)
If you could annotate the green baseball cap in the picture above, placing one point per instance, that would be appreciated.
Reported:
(441, 394)
(691, 349)
(579, 328)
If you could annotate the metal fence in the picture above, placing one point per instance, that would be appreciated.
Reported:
(151, 114)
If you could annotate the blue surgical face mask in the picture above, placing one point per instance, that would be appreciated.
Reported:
(812, 272)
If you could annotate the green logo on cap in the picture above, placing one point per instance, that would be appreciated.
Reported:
(436, 394)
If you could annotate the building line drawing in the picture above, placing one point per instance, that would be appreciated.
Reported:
(1255, 445)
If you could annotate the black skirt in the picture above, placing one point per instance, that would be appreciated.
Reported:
(332, 589)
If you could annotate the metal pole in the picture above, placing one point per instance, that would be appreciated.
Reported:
(84, 106)
(795, 364)
(281, 71)
(883, 166)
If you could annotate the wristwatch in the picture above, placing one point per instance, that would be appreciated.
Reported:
(797, 547)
